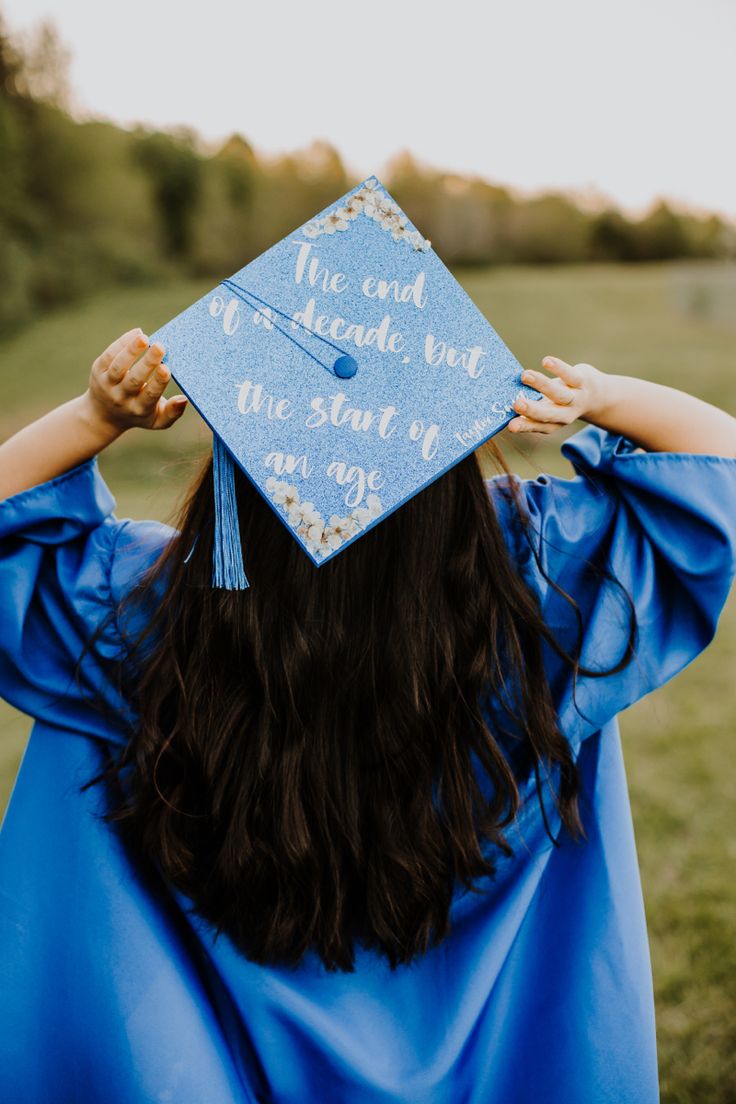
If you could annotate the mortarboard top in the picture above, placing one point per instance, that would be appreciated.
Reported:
(344, 370)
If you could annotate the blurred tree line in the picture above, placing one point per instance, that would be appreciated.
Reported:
(87, 204)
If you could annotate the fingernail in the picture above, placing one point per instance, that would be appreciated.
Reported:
(526, 376)
(521, 404)
(179, 401)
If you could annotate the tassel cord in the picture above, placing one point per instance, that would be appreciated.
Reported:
(228, 572)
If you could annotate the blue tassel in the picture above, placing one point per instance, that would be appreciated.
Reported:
(227, 555)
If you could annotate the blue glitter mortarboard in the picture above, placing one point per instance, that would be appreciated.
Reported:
(344, 370)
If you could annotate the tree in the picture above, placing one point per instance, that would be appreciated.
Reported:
(661, 236)
(11, 65)
(44, 73)
(612, 237)
(175, 171)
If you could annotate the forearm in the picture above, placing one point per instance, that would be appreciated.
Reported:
(125, 389)
(661, 418)
(53, 444)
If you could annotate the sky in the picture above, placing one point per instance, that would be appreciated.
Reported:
(625, 101)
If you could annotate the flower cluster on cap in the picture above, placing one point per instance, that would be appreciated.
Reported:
(372, 201)
(319, 536)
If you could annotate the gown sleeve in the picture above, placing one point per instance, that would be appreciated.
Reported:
(665, 524)
(65, 562)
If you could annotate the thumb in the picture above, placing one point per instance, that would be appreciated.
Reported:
(170, 410)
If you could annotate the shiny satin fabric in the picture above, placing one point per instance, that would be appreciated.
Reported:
(112, 990)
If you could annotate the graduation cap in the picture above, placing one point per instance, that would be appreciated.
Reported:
(343, 370)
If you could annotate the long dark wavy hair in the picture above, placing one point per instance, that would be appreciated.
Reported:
(305, 765)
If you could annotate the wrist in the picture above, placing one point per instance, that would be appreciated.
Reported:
(604, 389)
(96, 425)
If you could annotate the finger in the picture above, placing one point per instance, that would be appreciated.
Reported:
(555, 388)
(544, 410)
(103, 361)
(153, 387)
(136, 376)
(169, 411)
(126, 356)
(528, 425)
(568, 373)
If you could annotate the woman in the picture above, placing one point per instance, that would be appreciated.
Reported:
(354, 834)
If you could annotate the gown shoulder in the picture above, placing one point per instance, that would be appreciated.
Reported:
(66, 560)
(662, 523)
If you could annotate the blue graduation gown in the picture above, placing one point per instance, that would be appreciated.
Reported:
(543, 991)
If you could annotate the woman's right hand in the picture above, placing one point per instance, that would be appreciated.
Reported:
(571, 393)
(654, 416)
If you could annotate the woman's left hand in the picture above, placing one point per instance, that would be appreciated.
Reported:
(569, 394)
(127, 382)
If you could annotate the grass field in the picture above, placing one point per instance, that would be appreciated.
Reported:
(675, 324)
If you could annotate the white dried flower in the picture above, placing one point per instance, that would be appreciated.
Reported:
(310, 514)
(362, 516)
(373, 504)
(312, 229)
(351, 526)
(334, 222)
(286, 495)
(352, 208)
(341, 526)
(331, 538)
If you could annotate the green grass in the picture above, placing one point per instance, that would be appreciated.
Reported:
(670, 323)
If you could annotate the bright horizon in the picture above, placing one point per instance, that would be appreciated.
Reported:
(628, 103)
